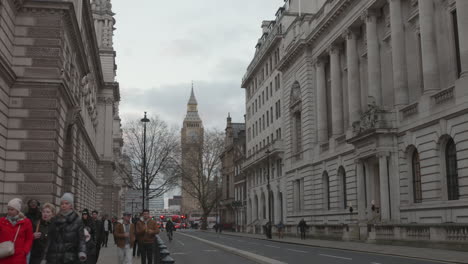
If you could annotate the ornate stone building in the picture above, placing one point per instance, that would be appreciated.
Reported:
(59, 116)
(233, 200)
(374, 100)
(191, 138)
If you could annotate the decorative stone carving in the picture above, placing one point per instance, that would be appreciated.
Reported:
(72, 116)
(369, 119)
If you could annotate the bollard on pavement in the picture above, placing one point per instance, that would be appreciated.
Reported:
(167, 260)
(164, 253)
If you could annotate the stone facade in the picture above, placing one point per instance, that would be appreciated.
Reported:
(233, 200)
(191, 138)
(58, 105)
(374, 105)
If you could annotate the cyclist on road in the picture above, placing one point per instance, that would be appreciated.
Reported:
(169, 228)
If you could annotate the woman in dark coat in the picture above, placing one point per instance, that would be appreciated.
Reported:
(66, 243)
(41, 233)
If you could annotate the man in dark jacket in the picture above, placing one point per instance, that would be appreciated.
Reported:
(66, 244)
(99, 232)
(34, 213)
(303, 228)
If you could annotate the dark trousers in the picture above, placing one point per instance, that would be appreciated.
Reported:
(106, 238)
(98, 249)
(136, 248)
(303, 235)
(146, 250)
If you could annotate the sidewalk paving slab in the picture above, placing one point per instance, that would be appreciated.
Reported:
(448, 256)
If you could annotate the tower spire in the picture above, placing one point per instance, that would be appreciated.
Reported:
(192, 100)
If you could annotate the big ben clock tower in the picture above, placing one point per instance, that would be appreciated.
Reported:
(191, 140)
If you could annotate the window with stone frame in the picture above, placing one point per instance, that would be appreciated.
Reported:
(451, 170)
(298, 189)
(416, 169)
(296, 118)
(343, 186)
(326, 190)
(457, 42)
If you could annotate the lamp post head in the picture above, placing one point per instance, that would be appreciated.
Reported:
(145, 119)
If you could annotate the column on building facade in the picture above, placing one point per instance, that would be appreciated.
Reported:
(384, 188)
(354, 87)
(321, 101)
(277, 216)
(400, 74)
(430, 63)
(361, 191)
(336, 91)
(373, 57)
(462, 21)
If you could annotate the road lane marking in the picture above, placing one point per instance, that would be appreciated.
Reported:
(180, 242)
(295, 250)
(245, 254)
(210, 250)
(375, 263)
(178, 253)
(331, 256)
(271, 246)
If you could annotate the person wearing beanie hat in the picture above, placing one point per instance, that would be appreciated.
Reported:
(69, 198)
(67, 243)
(17, 228)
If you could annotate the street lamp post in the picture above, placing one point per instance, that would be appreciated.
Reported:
(143, 171)
(269, 193)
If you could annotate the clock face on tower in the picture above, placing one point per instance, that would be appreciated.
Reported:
(192, 136)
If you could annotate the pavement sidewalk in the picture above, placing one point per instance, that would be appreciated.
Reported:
(450, 256)
(108, 255)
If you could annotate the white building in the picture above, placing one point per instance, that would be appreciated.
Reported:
(374, 96)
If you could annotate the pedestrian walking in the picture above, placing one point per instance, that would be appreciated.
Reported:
(107, 223)
(41, 233)
(170, 228)
(136, 247)
(280, 228)
(146, 230)
(302, 228)
(267, 228)
(90, 227)
(33, 214)
(15, 227)
(67, 244)
(124, 234)
(99, 232)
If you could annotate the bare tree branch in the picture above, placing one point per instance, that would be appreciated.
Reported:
(162, 144)
(201, 171)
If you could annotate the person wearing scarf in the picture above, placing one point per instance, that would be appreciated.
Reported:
(41, 233)
(15, 224)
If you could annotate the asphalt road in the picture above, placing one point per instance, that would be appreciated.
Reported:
(288, 253)
(186, 250)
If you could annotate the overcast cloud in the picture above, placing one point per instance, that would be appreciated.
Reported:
(163, 45)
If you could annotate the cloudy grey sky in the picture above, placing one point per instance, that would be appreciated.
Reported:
(163, 45)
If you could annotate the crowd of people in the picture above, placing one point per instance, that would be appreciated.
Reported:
(44, 236)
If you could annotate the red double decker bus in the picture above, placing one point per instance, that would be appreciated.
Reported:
(178, 220)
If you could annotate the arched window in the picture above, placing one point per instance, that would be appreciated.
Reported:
(417, 190)
(326, 190)
(452, 170)
(342, 179)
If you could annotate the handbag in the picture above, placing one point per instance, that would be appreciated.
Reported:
(7, 248)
